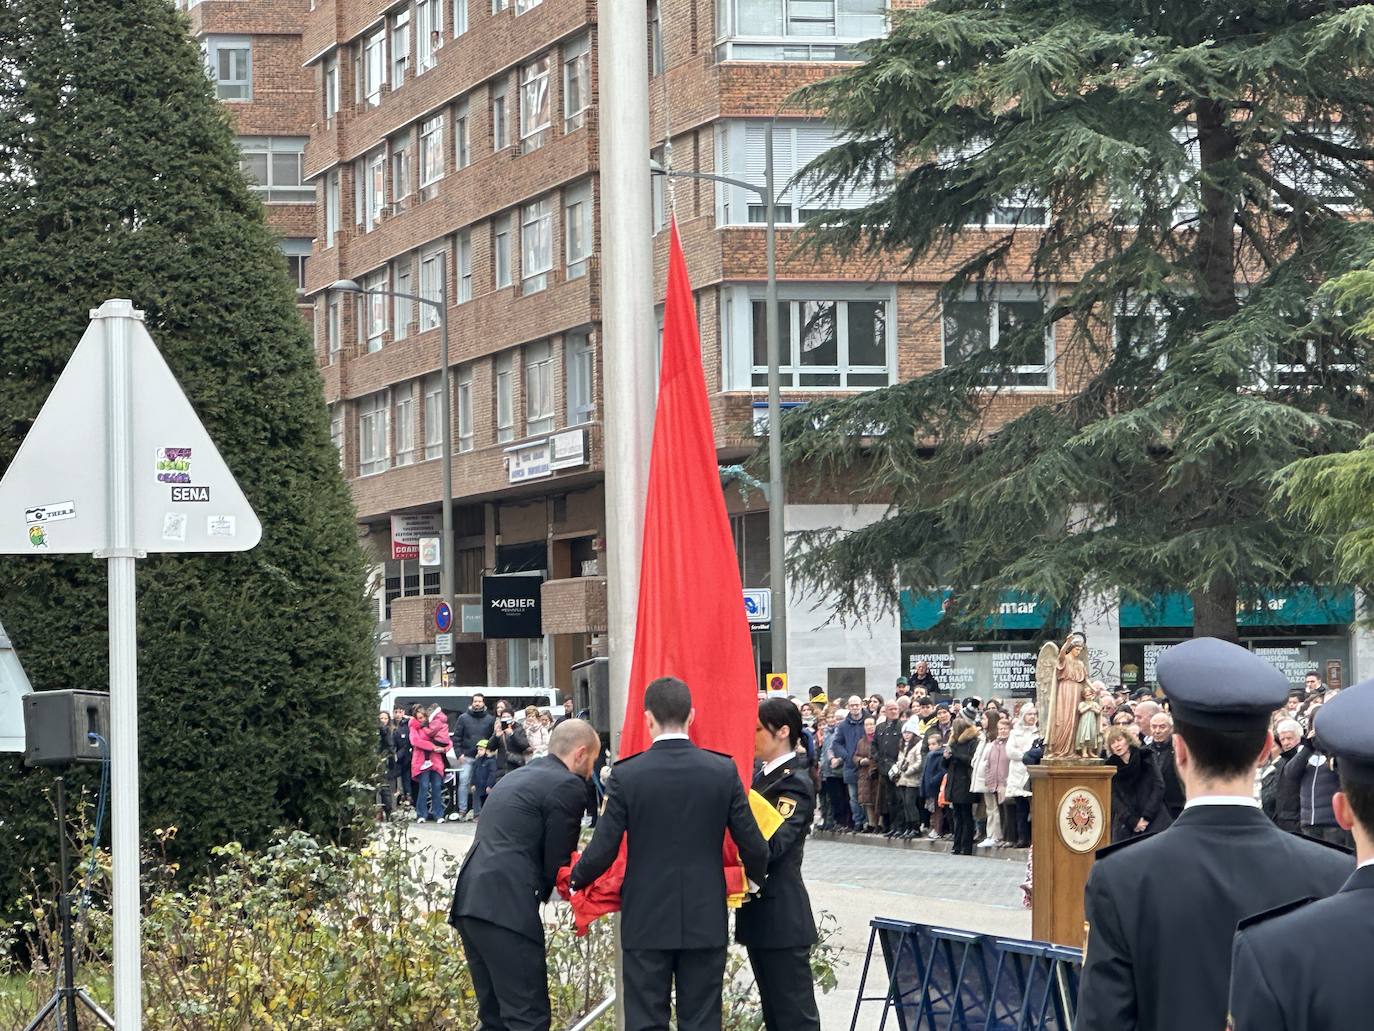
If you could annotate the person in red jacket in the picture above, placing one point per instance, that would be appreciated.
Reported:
(429, 739)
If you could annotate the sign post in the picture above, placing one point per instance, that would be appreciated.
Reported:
(137, 473)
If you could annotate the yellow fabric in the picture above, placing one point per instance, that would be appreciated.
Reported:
(769, 819)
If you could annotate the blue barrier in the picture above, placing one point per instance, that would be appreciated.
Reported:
(944, 979)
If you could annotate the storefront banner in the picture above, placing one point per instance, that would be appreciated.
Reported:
(510, 605)
(1016, 611)
(1298, 606)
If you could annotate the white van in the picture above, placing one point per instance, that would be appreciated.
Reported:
(456, 700)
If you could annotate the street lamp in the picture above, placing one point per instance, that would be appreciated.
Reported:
(777, 576)
(446, 556)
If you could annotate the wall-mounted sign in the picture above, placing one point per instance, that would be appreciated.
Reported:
(510, 605)
(529, 462)
(568, 450)
(758, 604)
(429, 551)
(472, 619)
(406, 531)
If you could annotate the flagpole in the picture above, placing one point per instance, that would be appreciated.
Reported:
(628, 335)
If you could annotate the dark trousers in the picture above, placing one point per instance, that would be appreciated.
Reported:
(911, 808)
(1331, 834)
(649, 978)
(786, 990)
(1018, 831)
(963, 828)
(509, 975)
(837, 801)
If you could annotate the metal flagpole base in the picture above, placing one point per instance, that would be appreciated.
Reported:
(53, 1006)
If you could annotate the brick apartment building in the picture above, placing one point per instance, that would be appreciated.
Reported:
(455, 141)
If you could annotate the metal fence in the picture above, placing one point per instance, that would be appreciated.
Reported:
(943, 978)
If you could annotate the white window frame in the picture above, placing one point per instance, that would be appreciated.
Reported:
(539, 417)
(501, 251)
(522, 6)
(374, 433)
(500, 114)
(331, 90)
(579, 361)
(297, 248)
(403, 282)
(270, 150)
(798, 30)
(536, 103)
(741, 373)
(993, 296)
(400, 48)
(374, 189)
(578, 229)
(237, 86)
(375, 308)
(404, 424)
(505, 396)
(497, 6)
(463, 246)
(331, 208)
(577, 82)
(466, 440)
(374, 67)
(336, 430)
(333, 324)
(402, 172)
(657, 61)
(431, 150)
(462, 136)
(429, 34)
(536, 245)
(460, 17)
(433, 388)
(431, 287)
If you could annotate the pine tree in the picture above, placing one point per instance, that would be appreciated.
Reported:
(1194, 165)
(119, 177)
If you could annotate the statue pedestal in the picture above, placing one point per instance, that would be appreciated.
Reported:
(1071, 811)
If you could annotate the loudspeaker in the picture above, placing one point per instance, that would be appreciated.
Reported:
(56, 725)
(591, 680)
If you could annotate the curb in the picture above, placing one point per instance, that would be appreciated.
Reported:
(941, 847)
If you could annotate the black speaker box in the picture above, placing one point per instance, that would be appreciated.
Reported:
(56, 725)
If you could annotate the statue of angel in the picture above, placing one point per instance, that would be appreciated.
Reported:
(1060, 677)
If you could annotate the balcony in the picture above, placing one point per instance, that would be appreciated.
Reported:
(412, 619)
(574, 606)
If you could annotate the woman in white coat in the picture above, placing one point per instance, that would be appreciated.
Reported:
(1024, 733)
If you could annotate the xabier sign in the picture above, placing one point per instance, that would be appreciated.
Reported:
(510, 605)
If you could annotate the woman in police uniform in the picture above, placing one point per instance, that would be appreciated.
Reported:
(777, 927)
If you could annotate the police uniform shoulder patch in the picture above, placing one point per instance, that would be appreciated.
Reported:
(786, 807)
(1269, 914)
(1342, 849)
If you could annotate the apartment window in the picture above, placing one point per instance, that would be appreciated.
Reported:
(505, 397)
(403, 282)
(429, 33)
(534, 104)
(230, 60)
(376, 304)
(400, 48)
(1321, 179)
(579, 362)
(797, 30)
(297, 251)
(465, 435)
(434, 416)
(431, 150)
(656, 63)
(577, 228)
(536, 241)
(336, 430)
(836, 338)
(741, 153)
(658, 190)
(464, 266)
(501, 251)
(462, 151)
(521, 6)
(538, 388)
(331, 208)
(497, 6)
(460, 17)
(274, 167)
(331, 90)
(500, 129)
(577, 82)
(375, 189)
(374, 68)
(431, 287)
(1000, 323)
(405, 425)
(334, 325)
(374, 433)
(401, 176)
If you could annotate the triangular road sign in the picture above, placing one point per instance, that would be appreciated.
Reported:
(54, 497)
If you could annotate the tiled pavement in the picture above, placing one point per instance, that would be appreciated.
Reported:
(989, 880)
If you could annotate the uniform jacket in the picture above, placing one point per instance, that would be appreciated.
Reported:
(673, 804)
(529, 827)
(1161, 910)
(1306, 968)
(779, 917)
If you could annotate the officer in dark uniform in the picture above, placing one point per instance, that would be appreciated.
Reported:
(1306, 966)
(776, 926)
(529, 828)
(1161, 909)
(673, 804)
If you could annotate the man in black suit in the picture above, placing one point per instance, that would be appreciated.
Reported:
(1306, 966)
(529, 828)
(1161, 908)
(673, 803)
(777, 927)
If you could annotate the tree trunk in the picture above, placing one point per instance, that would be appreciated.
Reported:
(1214, 610)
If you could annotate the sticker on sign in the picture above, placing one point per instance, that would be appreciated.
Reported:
(50, 513)
(189, 493)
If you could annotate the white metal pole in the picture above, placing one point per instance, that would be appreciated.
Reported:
(627, 334)
(128, 992)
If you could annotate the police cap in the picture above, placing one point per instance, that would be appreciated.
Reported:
(1218, 685)
(1345, 729)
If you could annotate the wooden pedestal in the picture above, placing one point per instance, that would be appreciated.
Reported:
(1071, 812)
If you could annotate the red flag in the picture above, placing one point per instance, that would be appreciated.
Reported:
(691, 619)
